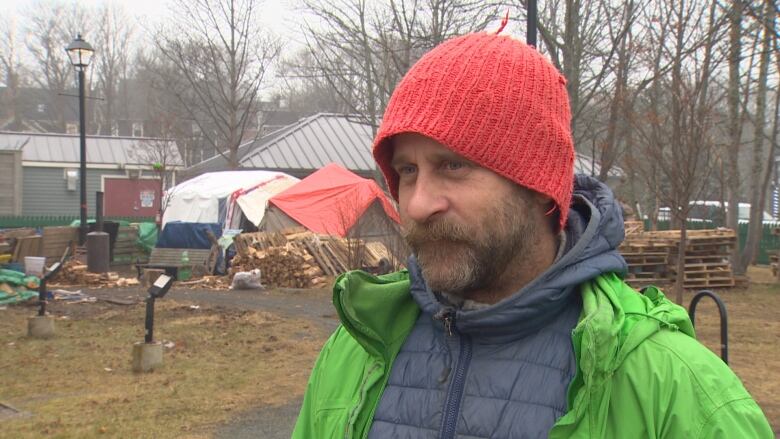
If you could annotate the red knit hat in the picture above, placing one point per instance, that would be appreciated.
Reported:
(495, 101)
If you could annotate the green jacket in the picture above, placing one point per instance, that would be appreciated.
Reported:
(640, 371)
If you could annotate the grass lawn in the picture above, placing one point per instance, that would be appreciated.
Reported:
(80, 384)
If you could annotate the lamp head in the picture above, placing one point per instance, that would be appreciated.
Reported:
(80, 53)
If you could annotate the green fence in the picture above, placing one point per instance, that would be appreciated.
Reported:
(769, 242)
(7, 222)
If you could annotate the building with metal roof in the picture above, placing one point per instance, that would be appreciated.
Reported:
(313, 142)
(45, 170)
(304, 147)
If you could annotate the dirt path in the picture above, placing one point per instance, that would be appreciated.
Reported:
(312, 304)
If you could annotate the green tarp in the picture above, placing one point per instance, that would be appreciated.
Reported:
(147, 236)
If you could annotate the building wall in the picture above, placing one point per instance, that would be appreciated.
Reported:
(10, 182)
(44, 191)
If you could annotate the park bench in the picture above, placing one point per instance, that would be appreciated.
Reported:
(168, 260)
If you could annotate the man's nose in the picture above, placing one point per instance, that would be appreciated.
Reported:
(425, 199)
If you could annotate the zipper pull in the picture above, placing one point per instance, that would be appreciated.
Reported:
(447, 316)
(448, 324)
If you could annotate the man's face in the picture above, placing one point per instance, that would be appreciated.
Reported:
(465, 223)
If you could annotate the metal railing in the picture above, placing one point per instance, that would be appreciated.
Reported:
(724, 321)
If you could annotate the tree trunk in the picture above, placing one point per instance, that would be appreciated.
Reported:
(735, 127)
(679, 284)
(756, 214)
(572, 54)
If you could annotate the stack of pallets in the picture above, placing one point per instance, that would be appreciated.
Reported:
(707, 263)
(648, 261)
(652, 258)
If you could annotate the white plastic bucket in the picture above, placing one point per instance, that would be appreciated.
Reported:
(33, 265)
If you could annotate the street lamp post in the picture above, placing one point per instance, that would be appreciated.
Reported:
(530, 38)
(80, 53)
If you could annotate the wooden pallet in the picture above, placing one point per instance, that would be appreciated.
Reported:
(56, 240)
(27, 246)
(633, 227)
(709, 283)
(706, 262)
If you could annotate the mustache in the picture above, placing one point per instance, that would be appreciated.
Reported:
(416, 234)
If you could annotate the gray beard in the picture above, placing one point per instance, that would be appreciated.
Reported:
(467, 264)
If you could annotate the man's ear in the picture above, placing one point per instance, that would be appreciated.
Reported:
(543, 200)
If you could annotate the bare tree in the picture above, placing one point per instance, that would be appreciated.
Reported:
(50, 28)
(222, 55)
(11, 72)
(361, 49)
(735, 127)
(306, 90)
(676, 128)
(763, 161)
(162, 155)
(111, 62)
(573, 33)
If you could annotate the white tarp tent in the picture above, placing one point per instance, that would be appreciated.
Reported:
(223, 197)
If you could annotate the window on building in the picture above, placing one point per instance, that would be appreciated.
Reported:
(138, 129)
(71, 179)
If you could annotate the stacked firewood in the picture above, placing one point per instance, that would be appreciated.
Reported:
(285, 266)
(74, 272)
(300, 259)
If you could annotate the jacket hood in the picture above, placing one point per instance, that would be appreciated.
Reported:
(594, 231)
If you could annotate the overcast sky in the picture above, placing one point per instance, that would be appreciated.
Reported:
(276, 14)
(148, 15)
(282, 18)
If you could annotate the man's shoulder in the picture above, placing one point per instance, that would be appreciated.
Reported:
(673, 373)
(341, 344)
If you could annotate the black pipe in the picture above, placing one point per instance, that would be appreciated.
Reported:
(724, 320)
(530, 37)
(42, 296)
(99, 211)
(149, 319)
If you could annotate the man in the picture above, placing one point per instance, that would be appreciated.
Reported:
(512, 320)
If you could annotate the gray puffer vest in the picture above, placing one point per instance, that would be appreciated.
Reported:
(502, 371)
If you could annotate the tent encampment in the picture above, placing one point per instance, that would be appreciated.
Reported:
(335, 201)
(224, 197)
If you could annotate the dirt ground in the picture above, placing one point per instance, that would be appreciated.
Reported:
(237, 358)
(218, 362)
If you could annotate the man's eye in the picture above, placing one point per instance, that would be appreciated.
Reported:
(453, 166)
(406, 169)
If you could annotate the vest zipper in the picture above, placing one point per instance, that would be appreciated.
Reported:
(455, 393)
